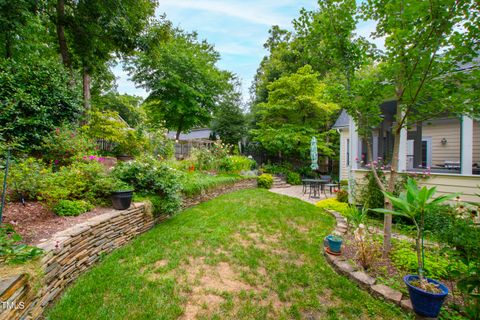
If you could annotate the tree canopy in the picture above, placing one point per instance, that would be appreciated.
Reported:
(297, 109)
(182, 79)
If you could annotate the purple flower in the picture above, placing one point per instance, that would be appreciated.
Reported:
(56, 161)
(92, 157)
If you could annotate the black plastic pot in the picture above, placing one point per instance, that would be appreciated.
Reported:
(425, 303)
(121, 200)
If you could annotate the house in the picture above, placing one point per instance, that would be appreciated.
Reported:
(194, 134)
(447, 147)
(196, 138)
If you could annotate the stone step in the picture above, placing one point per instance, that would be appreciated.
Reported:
(281, 185)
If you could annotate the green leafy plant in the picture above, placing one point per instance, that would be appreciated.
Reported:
(147, 175)
(68, 208)
(342, 195)
(11, 248)
(64, 144)
(333, 204)
(236, 164)
(294, 178)
(79, 181)
(412, 204)
(437, 264)
(265, 181)
(355, 216)
(25, 177)
(371, 195)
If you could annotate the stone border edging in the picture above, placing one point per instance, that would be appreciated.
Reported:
(364, 280)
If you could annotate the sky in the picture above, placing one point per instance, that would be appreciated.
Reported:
(238, 29)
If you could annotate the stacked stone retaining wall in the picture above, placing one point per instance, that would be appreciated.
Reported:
(72, 251)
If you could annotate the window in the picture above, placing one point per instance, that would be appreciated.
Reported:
(348, 152)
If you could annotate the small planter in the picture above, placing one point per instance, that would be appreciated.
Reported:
(334, 243)
(121, 200)
(425, 303)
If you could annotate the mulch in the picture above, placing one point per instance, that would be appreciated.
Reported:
(384, 268)
(36, 223)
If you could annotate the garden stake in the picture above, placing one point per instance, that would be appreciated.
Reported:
(4, 191)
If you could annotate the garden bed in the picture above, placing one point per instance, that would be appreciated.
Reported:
(35, 222)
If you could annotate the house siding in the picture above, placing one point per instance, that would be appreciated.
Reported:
(450, 130)
(439, 129)
(468, 186)
(476, 142)
(344, 136)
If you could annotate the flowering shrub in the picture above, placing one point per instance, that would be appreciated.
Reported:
(211, 158)
(149, 176)
(63, 145)
(93, 158)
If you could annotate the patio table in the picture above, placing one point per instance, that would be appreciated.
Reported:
(315, 185)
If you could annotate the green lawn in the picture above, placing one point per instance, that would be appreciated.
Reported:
(250, 254)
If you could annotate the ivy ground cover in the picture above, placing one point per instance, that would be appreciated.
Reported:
(250, 254)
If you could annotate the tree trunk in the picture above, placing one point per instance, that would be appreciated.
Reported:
(62, 41)
(179, 129)
(86, 90)
(387, 222)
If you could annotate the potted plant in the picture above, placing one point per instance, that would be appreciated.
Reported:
(427, 295)
(122, 196)
(334, 243)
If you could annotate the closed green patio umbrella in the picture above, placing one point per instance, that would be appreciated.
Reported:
(314, 154)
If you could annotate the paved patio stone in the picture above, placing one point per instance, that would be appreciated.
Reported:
(297, 192)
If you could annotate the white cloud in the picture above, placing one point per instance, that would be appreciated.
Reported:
(257, 12)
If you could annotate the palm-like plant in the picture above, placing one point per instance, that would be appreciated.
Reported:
(413, 203)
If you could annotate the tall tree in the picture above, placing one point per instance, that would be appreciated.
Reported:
(229, 121)
(297, 109)
(97, 30)
(424, 42)
(182, 78)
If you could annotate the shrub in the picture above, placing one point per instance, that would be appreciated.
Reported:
(276, 168)
(294, 178)
(67, 208)
(25, 178)
(147, 175)
(79, 181)
(333, 204)
(371, 195)
(62, 146)
(11, 248)
(265, 181)
(204, 159)
(236, 164)
(342, 196)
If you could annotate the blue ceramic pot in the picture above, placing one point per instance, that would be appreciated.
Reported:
(425, 303)
(334, 243)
